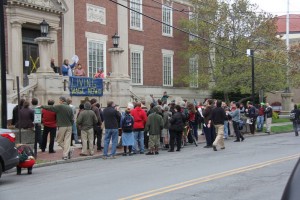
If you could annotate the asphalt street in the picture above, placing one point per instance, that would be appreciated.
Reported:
(257, 168)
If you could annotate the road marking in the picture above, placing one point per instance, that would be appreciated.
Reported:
(200, 180)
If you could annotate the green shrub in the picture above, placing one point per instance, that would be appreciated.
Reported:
(275, 115)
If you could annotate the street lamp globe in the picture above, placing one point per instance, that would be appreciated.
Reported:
(116, 40)
(44, 28)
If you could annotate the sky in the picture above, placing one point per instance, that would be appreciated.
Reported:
(278, 7)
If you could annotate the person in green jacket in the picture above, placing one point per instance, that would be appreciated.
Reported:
(64, 121)
(154, 125)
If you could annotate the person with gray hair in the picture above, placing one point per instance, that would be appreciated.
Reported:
(64, 121)
(85, 122)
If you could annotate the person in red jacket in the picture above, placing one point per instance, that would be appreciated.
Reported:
(49, 121)
(140, 119)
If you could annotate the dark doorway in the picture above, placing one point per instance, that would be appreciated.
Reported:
(30, 53)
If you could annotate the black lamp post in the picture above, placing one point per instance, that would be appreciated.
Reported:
(116, 40)
(44, 28)
(3, 67)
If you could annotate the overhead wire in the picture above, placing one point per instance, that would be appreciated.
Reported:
(194, 35)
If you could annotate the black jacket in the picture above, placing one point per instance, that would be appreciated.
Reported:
(177, 122)
(269, 112)
(218, 116)
(111, 118)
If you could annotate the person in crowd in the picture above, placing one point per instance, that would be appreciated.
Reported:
(111, 119)
(26, 158)
(97, 126)
(193, 119)
(49, 122)
(260, 117)
(218, 116)
(79, 71)
(296, 120)
(74, 128)
(236, 116)
(200, 109)
(140, 119)
(53, 66)
(226, 122)
(86, 121)
(177, 123)
(165, 132)
(172, 108)
(269, 115)
(99, 74)
(154, 126)
(153, 100)
(242, 108)
(209, 131)
(26, 117)
(66, 68)
(250, 113)
(15, 113)
(37, 126)
(164, 98)
(126, 125)
(64, 121)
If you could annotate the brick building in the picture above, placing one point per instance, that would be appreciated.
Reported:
(151, 57)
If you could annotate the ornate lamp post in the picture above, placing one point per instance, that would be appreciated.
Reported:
(116, 40)
(44, 28)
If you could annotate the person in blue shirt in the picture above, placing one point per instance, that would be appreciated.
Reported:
(66, 68)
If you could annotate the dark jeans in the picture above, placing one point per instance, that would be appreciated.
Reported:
(98, 135)
(296, 127)
(237, 131)
(52, 132)
(252, 126)
(146, 140)
(195, 129)
(209, 135)
(177, 135)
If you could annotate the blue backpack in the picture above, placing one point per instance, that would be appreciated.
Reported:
(127, 123)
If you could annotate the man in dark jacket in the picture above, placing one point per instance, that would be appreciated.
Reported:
(154, 126)
(218, 116)
(250, 112)
(269, 115)
(208, 131)
(111, 122)
(97, 126)
(177, 123)
(296, 119)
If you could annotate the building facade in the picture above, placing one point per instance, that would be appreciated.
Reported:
(151, 44)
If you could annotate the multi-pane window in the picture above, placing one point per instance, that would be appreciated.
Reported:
(193, 69)
(167, 18)
(136, 67)
(168, 70)
(96, 56)
(135, 16)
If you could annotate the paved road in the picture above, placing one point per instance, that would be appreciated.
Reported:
(255, 169)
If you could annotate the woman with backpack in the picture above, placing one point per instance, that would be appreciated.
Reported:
(126, 124)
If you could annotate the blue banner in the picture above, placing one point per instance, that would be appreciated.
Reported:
(83, 86)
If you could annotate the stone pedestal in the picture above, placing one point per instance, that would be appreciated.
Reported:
(120, 83)
(45, 54)
(287, 102)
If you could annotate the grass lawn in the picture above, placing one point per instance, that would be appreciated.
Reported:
(281, 120)
(281, 129)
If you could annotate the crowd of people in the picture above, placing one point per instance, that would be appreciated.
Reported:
(161, 125)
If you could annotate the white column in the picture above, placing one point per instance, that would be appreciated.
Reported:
(68, 34)
(54, 47)
(116, 62)
(17, 51)
(123, 33)
(45, 56)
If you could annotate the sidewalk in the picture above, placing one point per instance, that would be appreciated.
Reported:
(46, 159)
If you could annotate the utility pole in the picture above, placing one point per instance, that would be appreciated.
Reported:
(250, 52)
(3, 67)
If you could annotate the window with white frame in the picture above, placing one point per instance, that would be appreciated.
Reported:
(168, 68)
(136, 67)
(194, 72)
(167, 19)
(135, 16)
(96, 56)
